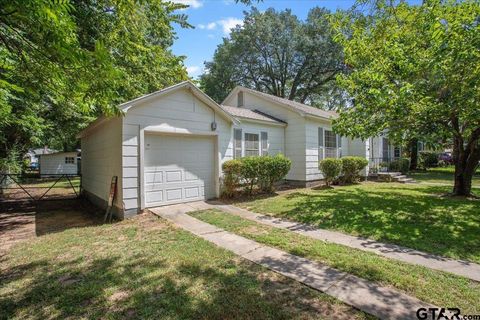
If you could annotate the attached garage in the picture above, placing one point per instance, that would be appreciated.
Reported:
(178, 168)
(167, 148)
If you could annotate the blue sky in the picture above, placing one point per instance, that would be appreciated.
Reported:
(214, 18)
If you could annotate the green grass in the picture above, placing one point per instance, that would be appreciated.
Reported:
(441, 175)
(431, 286)
(414, 216)
(146, 269)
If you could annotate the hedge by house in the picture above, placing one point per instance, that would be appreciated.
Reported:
(331, 169)
(402, 165)
(351, 167)
(428, 159)
(250, 172)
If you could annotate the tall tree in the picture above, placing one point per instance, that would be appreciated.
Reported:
(275, 52)
(415, 70)
(65, 62)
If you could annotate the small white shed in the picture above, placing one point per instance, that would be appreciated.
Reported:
(58, 163)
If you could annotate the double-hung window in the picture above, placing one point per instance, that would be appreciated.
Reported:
(331, 144)
(237, 143)
(252, 145)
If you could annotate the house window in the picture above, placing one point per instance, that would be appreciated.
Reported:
(251, 145)
(331, 143)
(69, 160)
(396, 152)
(264, 143)
(237, 144)
(240, 99)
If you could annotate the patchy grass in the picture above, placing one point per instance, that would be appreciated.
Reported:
(441, 175)
(436, 287)
(146, 269)
(415, 216)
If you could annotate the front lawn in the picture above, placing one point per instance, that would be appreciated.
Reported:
(146, 269)
(414, 216)
(431, 286)
(441, 175)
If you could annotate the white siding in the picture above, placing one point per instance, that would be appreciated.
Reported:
(101, 160)
(276, 135)
(51, 164)
(178, 112)
(294, 132)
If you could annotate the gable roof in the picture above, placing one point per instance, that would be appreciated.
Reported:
(124, 107)
(298, 107)
(252, 115)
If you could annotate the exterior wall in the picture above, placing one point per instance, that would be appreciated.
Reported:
(178, 112)
(276, 135)
(52, 164)
(101, 160)
(294, 132)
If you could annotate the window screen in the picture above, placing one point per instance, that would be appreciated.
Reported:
(320, 144)
(240, 99)
(330, 144)
(251, 144)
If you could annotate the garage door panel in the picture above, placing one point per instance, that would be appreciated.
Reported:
(178, 169)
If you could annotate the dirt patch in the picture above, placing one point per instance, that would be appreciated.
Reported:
(24, 220)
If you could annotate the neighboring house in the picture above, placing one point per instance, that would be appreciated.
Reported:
(168, 146)
(58, 163)
(34, 154)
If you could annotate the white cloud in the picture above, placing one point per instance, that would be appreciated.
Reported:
(211, 35)
(195, 4)
(208, 26)
(229, 23)
(194, 71)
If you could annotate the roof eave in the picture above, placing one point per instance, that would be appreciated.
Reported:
(245, 119)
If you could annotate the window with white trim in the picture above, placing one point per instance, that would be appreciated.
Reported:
(331, 144)
(397, 152)
(251, 144)
(264, 143)
(69, 160)
(240, 99)
(237, 143)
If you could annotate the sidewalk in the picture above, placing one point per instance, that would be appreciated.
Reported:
(379, 301)
(465, 269)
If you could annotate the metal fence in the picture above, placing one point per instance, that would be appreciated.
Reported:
(16, 187)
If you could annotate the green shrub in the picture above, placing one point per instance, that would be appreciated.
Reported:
(428, 159)
(351, 167)
(251, 171)
(232, 170)
(402, 165)
(272, 169)
(331, 169)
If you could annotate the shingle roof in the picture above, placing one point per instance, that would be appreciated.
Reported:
(250, 114)
(293, 104)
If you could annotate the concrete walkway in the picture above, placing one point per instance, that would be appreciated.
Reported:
(379, 301)
(465, 269)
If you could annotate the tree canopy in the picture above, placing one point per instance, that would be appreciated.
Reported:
(65, 62)
(415, 71)
(276, 53)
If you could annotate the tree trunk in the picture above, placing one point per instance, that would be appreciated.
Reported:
(466, 162)
(413, 154)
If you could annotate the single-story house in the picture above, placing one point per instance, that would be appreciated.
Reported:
(168, 147)
(58, 163)
(33, 155)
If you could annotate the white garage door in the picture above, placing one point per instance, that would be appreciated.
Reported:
(178, 169)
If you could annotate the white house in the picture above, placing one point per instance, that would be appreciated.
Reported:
(58, 163)
(168, 146)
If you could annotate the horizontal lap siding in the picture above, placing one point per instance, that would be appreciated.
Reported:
(178, 112)
(276, 135)
(101, 160)
(294, 138)
(55, 164)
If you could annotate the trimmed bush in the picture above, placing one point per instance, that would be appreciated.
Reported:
(351, 167)
(251, 171)
(331, 169)
(428, 159)
(272, 170)
(232, 170)
(402, 165)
